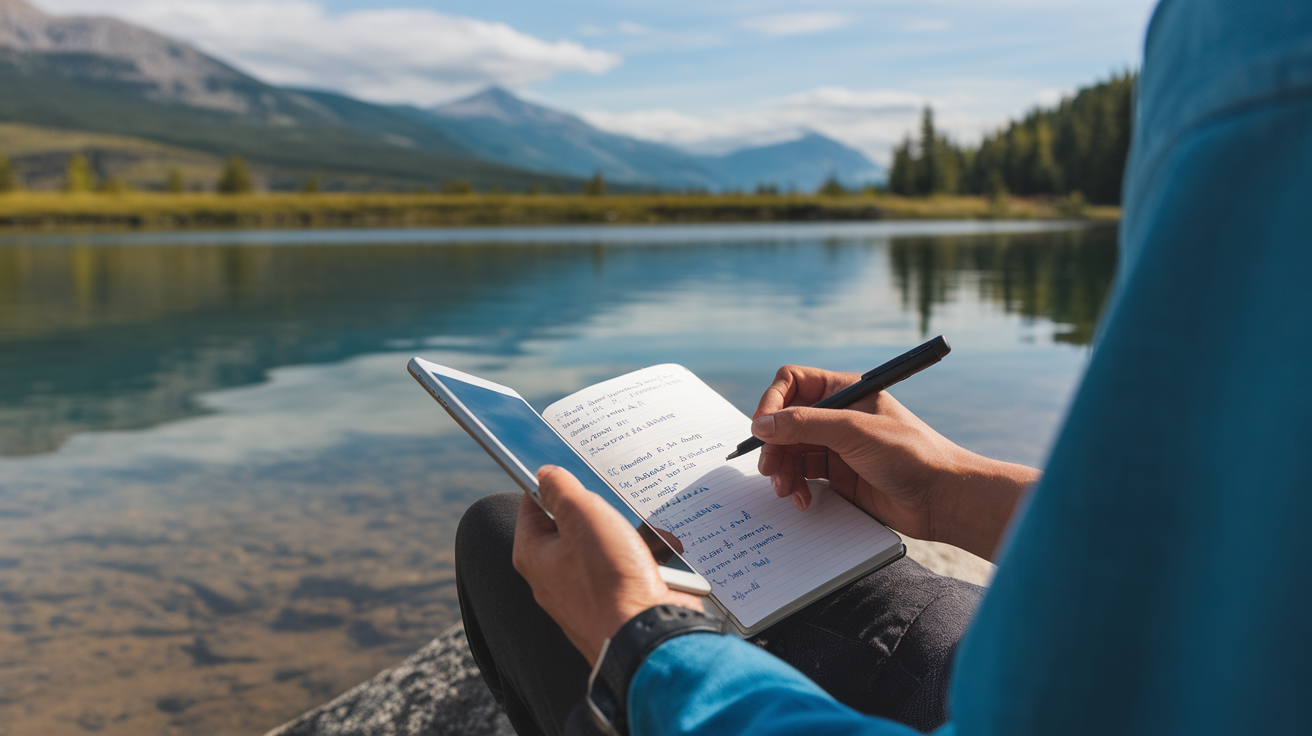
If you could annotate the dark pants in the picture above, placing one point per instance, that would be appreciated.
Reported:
(883, 645)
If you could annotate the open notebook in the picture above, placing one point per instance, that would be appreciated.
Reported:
(659, 436)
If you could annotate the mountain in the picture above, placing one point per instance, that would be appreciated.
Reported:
(802, 164)
(105, 76)
(498, 126)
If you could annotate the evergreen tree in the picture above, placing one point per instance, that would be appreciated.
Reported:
(176, 184)
(8, 178)
(596, 186)
(235, 178)
(927, 166)
(902, 175)
(78, 176)
(1080, 145)
(831, 188)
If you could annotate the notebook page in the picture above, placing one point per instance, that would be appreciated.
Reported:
(660, 435)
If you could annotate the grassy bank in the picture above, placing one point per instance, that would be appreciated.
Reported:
(155, 211)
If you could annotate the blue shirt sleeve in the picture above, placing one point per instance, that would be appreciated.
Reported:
(704, 684)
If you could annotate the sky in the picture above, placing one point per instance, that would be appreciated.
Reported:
(705, 76)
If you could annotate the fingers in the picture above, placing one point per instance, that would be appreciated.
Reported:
(562, 494)
(576, 509)
(779, 393)
(534, 530)
(837, 429)
(769, 460)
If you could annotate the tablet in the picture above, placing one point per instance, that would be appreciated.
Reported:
(520, 441)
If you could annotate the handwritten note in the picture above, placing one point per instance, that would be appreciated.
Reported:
(659, 436)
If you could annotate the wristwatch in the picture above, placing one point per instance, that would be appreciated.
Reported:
(622, 654)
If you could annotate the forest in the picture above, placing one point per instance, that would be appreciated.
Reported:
(1076, 150)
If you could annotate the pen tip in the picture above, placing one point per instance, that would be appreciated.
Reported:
(732, 455)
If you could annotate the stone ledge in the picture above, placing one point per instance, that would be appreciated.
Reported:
(439, 690)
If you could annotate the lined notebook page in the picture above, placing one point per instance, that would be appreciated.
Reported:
(659, 436)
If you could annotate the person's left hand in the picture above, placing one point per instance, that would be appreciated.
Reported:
(589, 570)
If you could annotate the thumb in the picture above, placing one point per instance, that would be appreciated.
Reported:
(562, 494)
(836, 429)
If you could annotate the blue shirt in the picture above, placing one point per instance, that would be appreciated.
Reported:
(1158, 579)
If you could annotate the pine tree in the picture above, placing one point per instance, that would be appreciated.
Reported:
(235, 178)
(8, 178)
(1079, 145)
(78, 176)
(176, 184)
(596, 186)
(902, 175)
(831, 188)
(927, 165)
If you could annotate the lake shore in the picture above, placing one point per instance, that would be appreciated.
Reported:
(45, 211)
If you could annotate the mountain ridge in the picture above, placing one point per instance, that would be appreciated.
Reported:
(496, 124)
(107, 76)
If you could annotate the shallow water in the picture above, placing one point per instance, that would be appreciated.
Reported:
(223, 500)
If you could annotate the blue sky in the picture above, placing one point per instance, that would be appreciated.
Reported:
(708, 76)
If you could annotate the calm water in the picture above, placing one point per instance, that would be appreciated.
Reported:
(223, 500)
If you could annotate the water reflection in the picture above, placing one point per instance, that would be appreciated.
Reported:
(1063, 280)
(224, 500)
(126, 336)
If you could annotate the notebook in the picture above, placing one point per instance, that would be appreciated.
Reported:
(659, 436)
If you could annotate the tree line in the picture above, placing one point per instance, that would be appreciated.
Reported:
(1076, 149)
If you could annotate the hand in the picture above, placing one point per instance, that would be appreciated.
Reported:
(588, 569)
(885, 460)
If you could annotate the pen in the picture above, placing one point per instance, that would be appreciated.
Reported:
(898, 369)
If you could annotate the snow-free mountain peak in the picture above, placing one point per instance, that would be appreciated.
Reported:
(499, 126)
(114, 51)
(496, 103)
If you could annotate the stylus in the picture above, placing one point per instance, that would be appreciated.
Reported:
(894, 371)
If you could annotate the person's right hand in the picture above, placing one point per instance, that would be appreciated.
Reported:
(885, 460)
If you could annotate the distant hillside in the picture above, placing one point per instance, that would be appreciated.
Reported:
(40, 156)
(498, 126)
(803, 164)
(105, 76)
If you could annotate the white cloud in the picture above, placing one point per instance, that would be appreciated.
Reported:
(872, 121)
(386, 55)
(793, 24)
(925, 25)
(634, 29)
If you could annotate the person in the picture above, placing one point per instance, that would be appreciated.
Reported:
(881, 645)
(1153, 581)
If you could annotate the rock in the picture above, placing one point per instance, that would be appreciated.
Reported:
(439, 690)
(953, 562)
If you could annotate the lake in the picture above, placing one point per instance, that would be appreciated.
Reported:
(223, 500)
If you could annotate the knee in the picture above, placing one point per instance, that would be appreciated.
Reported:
(486, 535)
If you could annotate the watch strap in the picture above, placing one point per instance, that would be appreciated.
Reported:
(624, 653)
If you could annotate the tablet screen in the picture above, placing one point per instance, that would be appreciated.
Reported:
(514, 423)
